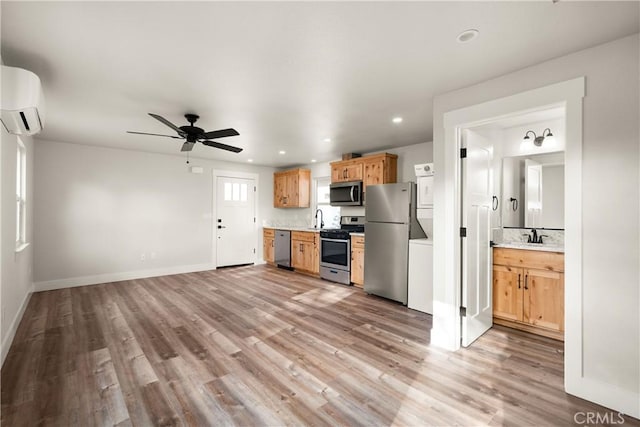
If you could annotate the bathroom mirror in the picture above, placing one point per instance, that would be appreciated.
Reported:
(533, 191)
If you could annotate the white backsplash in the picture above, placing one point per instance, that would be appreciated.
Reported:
(519, 235)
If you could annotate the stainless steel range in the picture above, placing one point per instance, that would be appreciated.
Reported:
(335, 249)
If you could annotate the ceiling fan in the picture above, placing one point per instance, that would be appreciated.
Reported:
(193, 134)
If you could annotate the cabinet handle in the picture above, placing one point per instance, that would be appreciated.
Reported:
(272, 243)
(519, 281)
(526, 276)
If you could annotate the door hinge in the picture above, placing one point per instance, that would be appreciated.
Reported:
(463, 231)
(254, 188)
(463, 153)
(463, 311)
(254, 250)
(254, 219)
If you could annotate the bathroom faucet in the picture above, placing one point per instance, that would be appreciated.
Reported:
(321, 219)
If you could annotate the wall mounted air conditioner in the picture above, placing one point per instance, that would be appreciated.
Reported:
(21, 101)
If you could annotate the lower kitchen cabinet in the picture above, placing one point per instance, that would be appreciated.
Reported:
(304, 252)
(268, 249)
(528, 291)
(357, 260)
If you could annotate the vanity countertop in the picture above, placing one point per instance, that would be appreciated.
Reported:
(530, 246)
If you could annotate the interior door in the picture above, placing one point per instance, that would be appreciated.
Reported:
(477, 191)
(235, 227)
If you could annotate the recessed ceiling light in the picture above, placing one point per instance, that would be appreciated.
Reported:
(313, 160)
(397, 120)
(327, 140)
(467, 35)
(250, 160)
(282, 152)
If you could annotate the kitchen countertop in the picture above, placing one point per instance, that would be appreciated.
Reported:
(530, 247)
(357, 234)
(308, 229)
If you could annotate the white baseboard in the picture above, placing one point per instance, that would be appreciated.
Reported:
(117, 277)
(607, 395)
(11, 333)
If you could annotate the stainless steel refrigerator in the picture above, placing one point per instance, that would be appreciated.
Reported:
(390, 223)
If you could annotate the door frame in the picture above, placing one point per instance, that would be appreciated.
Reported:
(217, 173)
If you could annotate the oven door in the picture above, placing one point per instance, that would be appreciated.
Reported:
(335, 253)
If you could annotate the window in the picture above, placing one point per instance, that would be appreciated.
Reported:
(21, 196)
(234, 192)
(330, 214)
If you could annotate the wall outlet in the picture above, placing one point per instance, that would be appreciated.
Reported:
(143, 257)
(153, 255)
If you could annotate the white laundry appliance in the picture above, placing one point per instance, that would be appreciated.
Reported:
(420, 289)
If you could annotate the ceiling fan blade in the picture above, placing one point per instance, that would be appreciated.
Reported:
(153, 134)
(187, 146)
(222, 133)
(168, 123)
(222, 146)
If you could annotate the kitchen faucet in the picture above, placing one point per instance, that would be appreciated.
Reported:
(321, 219)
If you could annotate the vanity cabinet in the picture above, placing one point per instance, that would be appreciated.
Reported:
(374, 169)
(357, 260)
(305, 252)
(528, 291)
(292, 188)
(268, 245)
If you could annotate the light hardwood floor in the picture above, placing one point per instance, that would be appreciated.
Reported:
(262, 346)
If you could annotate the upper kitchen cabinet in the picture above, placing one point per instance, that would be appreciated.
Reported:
(291, 188)
(375, 169)
(347, 170)
(380, 169)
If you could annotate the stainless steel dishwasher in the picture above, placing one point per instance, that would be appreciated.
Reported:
(283, 248)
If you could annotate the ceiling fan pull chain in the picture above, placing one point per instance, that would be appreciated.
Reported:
(187, 157)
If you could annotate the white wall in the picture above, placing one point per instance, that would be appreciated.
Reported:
(609, 323)
(16, 285)
(99, 209)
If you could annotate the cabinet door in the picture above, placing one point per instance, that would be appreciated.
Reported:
(544, 299)
(291, 192)
(357, 266)
(338, 173)
(279, 190)
(297, 261)
(374, 172)
(268, 249)
(308, 255)
(508, 287)
(354, 171)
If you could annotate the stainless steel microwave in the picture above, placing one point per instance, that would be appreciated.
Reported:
(346, 194)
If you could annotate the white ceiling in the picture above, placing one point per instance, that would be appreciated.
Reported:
(285, 75)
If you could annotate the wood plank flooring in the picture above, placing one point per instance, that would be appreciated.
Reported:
(261, 346)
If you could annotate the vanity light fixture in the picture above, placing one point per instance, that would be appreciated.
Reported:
(538, 140)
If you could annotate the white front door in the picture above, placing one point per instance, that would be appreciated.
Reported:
(235, 221)
(477, 191)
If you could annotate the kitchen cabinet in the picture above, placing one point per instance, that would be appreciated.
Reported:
(292, 188)
(374, 169)
(380, 169)
(357, 260)
(305, 251)
(268, 249)
(528, 291)
(347, 170)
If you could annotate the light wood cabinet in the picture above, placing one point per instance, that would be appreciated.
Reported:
(305, 252)
(268, 249)
(292, 188)
(380, 169)
(528, 291)
(357, 260)
(374, 169)
(347, 170)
